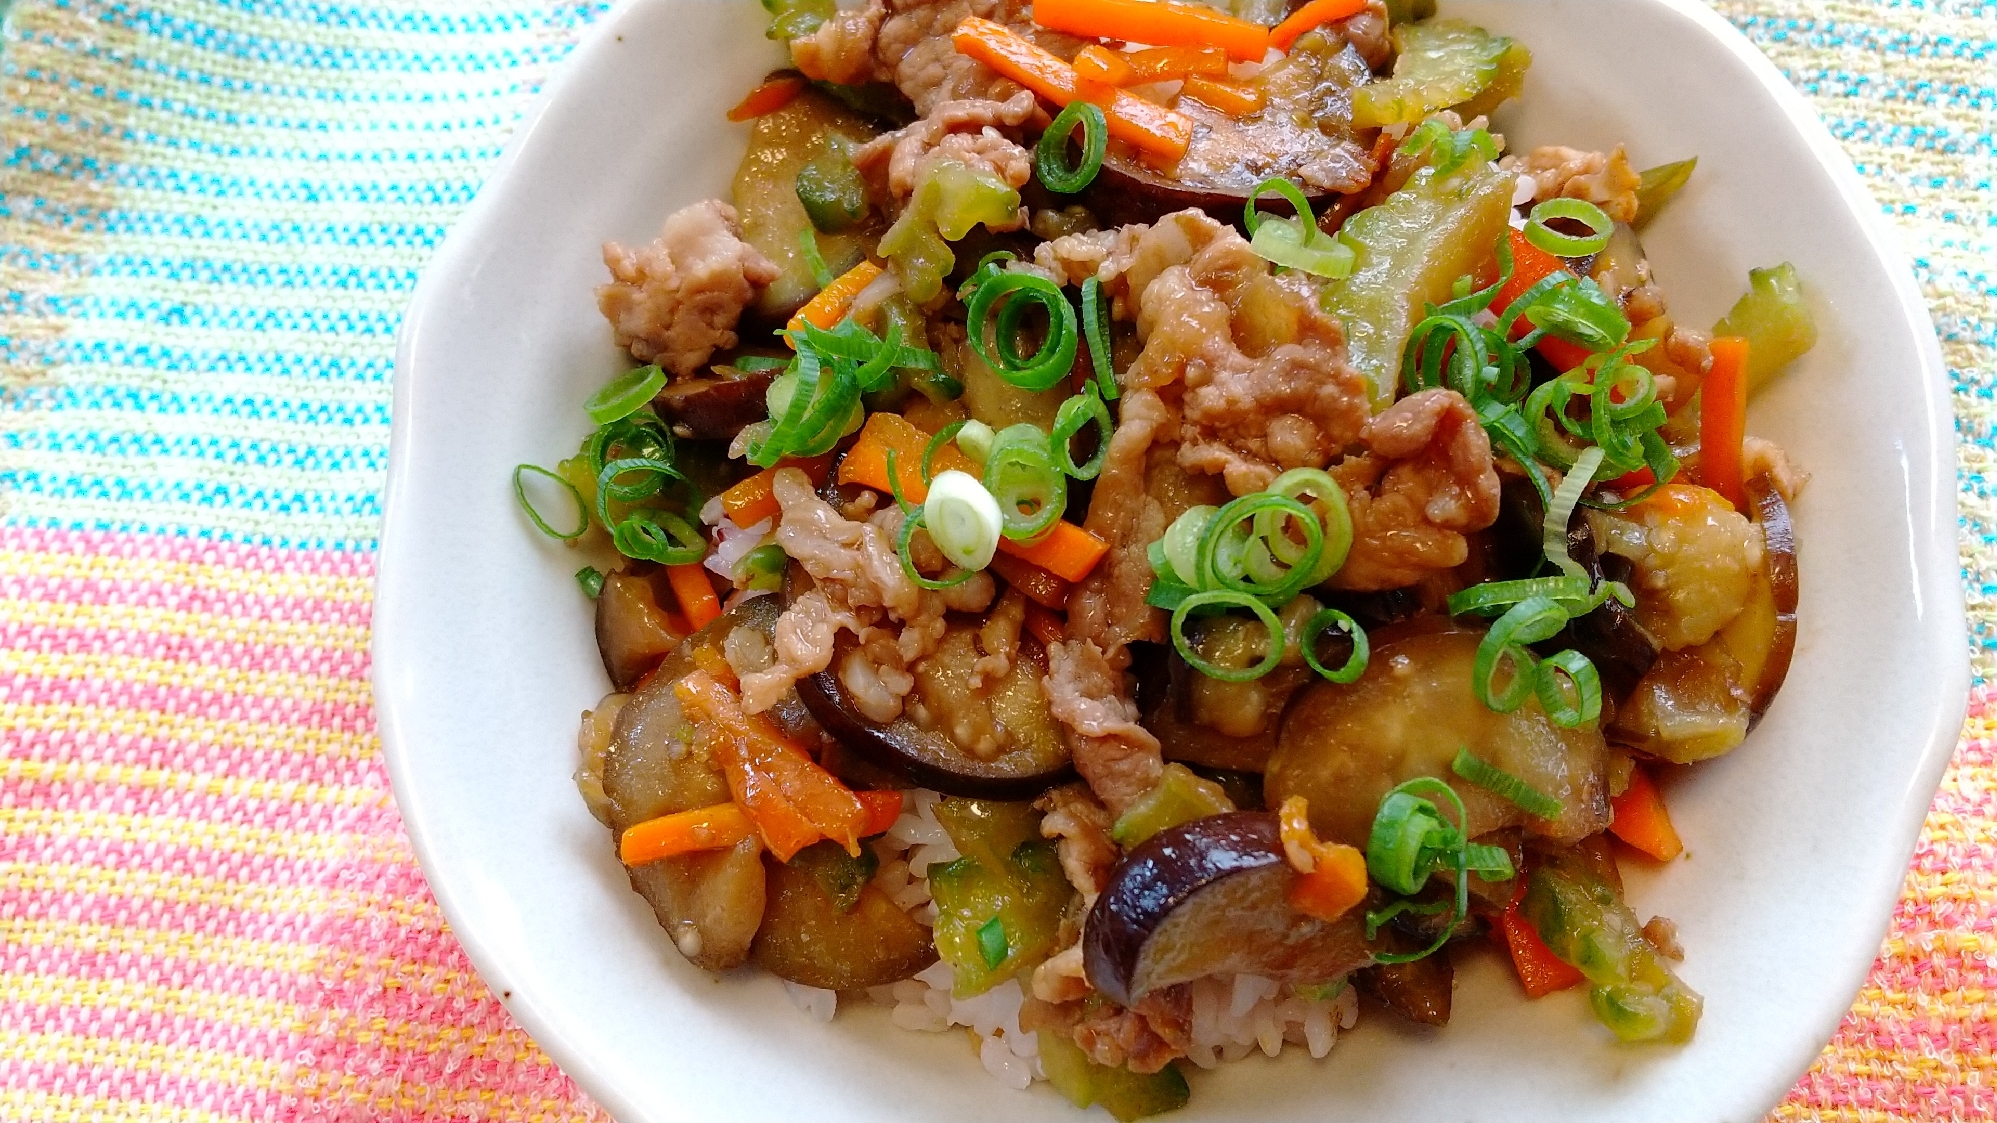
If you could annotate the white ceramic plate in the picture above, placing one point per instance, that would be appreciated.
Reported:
(1796, 843)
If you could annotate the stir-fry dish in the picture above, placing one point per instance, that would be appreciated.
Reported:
(1141, 523)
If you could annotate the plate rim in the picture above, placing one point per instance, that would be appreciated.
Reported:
(1938, 564)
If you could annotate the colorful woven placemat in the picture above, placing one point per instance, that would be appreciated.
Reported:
(211, 216)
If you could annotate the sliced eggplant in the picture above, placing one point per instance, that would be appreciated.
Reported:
(1210, 897)
(633, 632)
(1343, 747)
(716, 408)
(1419, 990)
(809, 938)
(1304, 133)
(999, 742)
(711, 903)
(1762, 639)
(765, 192)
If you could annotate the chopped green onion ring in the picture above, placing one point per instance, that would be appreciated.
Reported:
(1361, 649)
(1505, 785)
(591, 580)
(1291, 193)
(993, 946)
(659, 536)
(1051, 162)
(1227, 598)
(1095, 329)
(625, 395)
(1527, 622)
(912, 522)
(1553, 528)
(1228, 557)
(1316, 489)
(1056, 354)
(1567, 245)
(520, 493)
(1181, 544)
(943, 437)
(1020, 473)
(974, 439)
(1075, 415)
(807, 244)
(1587, 682)
(962, 519)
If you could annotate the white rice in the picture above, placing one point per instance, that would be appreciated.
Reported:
(1231, 1016)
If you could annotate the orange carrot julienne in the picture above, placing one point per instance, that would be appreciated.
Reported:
(695, 593)
(883, 808)
(1157, 130)
(1162, 23)
(1639, 818)
(1163, 64)
(1539, 970)
(1230, 98)
(1311, 15)
(1045, 624)
(705, 828)
(1067, 551)
(1530, 266)
(866, 462)
(793, 801)
(1723, 419)
(1040, 586)
(1331, 876)
(1100, 64)
(836, 299)
(752, 500)
(772, 95)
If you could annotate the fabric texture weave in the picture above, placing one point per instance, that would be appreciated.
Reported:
(212, 214)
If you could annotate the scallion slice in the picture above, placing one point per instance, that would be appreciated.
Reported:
(1181, 544)
(527, 505)
(1355, 665)
(993, 329)
(963, 520)
(1225, 599)
(1095, 329)
(1553, 528)
(1076, 414)
(625, 395)
(1251, 220)
(1505, 785)
(1238, 543)
(659, 536)
(1316, 489)
(1021, 474)
(1554, 242)
(807, 244)
(911, 522)
(1579, 673)
(993, 946)
(1051, 162)
(1280, 241)
(1529, 621)
(591, 580)
(974, 439)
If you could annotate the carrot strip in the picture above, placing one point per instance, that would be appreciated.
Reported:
(1159, 22)
(1100, 64)
(1723, 420)
(1159, 131)
(1541, 971)
(695, 593)
(1040, 586)
(1313, 14)
(1331, 876)
(1164, 64)
(1046, 626)
(1067, 551)
(707, 828)
(752, 500)
(836, 299)
(772, 95)
(1530, 266)
(793, 801)
(866, 462)
(1230, 98)
(1641, 820)
(1629, 482)
(883, 808)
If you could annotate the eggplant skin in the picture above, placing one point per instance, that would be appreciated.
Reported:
(1208, 897)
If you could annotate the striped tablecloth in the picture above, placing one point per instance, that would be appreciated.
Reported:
(211, 216)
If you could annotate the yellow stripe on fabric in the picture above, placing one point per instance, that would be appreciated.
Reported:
(253, 897)
(15, 770)
(62, 1107)
(232, 1007)
(290, 846)
(102, 668)
(284, 957)
(104, 1056)
(234, 736)
(198, 578)
(251, 627)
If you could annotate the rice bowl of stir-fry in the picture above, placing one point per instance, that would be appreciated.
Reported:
(1108, 545)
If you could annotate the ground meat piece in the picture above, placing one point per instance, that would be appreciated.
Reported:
(914, 50)
(1081, 823)
(966, 132)
(1107, 609)
(1427, 480)
(1060, 978)
(1267, 385)
(861, 588)
(1367, 34)
(842, 49)
(1119, 758)
(1604, 180)
(675, 301)
(998, 639)
(1151, 1034)
(1761, 457)
(1661, 932)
